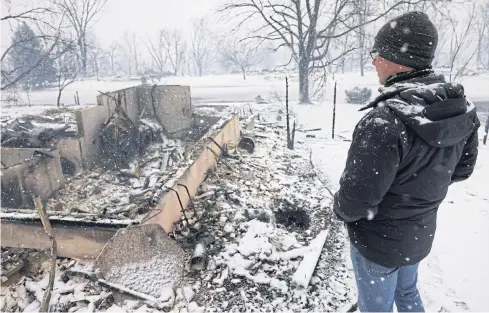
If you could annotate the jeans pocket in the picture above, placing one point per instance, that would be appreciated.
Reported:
(379, 270)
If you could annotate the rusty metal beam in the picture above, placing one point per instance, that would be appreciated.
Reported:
(75, 239)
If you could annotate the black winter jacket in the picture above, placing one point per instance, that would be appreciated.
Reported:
(420, 137)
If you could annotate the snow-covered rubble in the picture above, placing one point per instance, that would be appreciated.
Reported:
(117, 194)
(255, 217)
(264, 210)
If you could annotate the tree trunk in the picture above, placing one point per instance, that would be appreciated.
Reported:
(362, 63)
(244, 73)
(59, 97)
(83, 53)
(304, 82)
(479, 53)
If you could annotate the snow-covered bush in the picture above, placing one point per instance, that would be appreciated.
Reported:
(358, 95)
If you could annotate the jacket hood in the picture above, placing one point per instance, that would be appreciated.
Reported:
(437, 111)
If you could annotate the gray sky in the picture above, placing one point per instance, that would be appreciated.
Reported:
(139, 16)
(148, 16)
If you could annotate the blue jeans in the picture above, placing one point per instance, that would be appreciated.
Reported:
(379, 286)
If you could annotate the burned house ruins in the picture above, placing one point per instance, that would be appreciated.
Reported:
(106, 164)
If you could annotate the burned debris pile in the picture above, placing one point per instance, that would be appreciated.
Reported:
(127, 192)
(33, 131)
(40, 154)
(254, 219)
(253, 222)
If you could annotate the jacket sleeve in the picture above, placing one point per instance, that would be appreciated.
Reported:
(371, 166)
(466, 165)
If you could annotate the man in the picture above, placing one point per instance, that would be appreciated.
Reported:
(419, 137)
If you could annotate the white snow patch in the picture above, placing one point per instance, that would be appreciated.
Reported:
(380, 121)
(304, 273)
(279, 285)
(256, 239)
(404, 47)
(115, 309)
(422, 120)
(160, 272)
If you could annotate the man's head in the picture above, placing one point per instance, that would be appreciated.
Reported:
(405, 43)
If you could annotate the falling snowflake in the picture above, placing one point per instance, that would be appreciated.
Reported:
(370, 215)
(406, 30)
(407, 259)
(382, 278)
(372, 282)
(404, 47)
(393, 24)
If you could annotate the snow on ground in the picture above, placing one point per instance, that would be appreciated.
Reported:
(455, 274)
(454, 277)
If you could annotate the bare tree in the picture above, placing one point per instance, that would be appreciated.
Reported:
(363, 9)
(81, 15)
(111, 55)
(158, 51)
(176, 49)
(306, 27)
(240, 54)
(48, 25)
(460, 39)
(66, 69)
(129, 47)
(482, 28)
(95, 55)
(202, 50)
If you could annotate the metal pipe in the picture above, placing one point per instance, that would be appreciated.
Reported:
(198, 260)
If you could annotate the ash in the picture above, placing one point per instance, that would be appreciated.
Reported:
(149, 277)
(262, 211)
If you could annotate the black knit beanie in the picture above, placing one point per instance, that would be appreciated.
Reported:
(409, 40)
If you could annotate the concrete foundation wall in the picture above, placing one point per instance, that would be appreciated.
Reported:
(39, 176)
(89, 121)
(172, 104)
(71, 149)
(175, 109)
(129, 102)
(84, 243)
